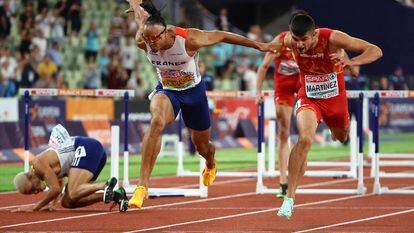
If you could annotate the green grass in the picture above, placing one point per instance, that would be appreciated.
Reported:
(227, 159)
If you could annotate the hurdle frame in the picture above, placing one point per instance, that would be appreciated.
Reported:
(115, 136)
(271, 171)
(376, 162)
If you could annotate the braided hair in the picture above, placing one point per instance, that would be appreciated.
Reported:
(155, 14)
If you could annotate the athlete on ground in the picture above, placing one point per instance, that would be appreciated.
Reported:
(80, 159)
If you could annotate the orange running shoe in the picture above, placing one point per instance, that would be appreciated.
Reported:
(140, 193)
(209, 175)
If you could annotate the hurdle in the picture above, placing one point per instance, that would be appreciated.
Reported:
(360, 189)
(376, 159)
(270, 170)
(115, 135)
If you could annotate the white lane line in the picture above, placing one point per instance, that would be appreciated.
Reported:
(356, 221)
(256, 212)
(170, 204)
(248, 213)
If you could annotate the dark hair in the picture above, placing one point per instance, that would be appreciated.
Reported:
(301, 23)
(155, 14)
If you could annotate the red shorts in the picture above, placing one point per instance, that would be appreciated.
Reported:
(286, 86)
(333, 111)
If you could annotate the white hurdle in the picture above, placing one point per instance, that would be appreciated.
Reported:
(201, 191)
(374, 145)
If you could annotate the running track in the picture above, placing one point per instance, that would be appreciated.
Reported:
(232, 206)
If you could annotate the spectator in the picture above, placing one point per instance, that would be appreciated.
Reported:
(29, 74)
(8, 71)
(129, 56)
(5, 23)
(117, 23)
(117, 74)
(46, 70)
(250, 78)
(55, 54)
(57, 25)
(26, 35)
(75, 16)
(93, 80)
(398, 81)
(206, 77)
(104, 60)
(383, 84)
(230, 80)
(43, 22)
(27, 15)
(222, 22)
(40, 41)
(92, 42)
(130, 26)
(62, 10)
(136, 84)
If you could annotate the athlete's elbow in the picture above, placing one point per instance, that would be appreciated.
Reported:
(377, 52)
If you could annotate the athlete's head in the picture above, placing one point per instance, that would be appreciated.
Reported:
(155, 28)
(302, 28)
(28, 183)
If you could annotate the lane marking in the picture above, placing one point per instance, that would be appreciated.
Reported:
(357, 221)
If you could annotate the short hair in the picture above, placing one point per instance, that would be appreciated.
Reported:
(155, 14)
(20, 181)
(301, 23)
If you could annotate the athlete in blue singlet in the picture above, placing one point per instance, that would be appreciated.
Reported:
(80, 159)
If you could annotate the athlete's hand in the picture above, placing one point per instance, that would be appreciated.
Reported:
(259, 97)
(354, 70)
(337, 58)
(27, 209)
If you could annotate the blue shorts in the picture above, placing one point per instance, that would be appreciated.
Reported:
(95, 156)
(193, 104)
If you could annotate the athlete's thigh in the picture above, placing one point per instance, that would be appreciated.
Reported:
(78, 176)
(307, 122)
(194, 107)
(164, 105)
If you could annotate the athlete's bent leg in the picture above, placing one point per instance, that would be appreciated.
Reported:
(283, 114)
(162, 113)
(340, 134)
(205, 148)
(307, 124)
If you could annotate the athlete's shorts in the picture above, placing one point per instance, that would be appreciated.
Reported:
(89, 155)
(333, 111)
(285, 88)
(193, 104)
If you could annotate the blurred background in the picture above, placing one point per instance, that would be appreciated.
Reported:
(90, 44)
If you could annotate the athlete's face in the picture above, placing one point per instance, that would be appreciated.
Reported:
(34, 185)
(154, 36)
(304, 43)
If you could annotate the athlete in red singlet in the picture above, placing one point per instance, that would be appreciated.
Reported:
(286, 83)
(320, 55)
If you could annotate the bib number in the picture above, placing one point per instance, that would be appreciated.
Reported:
(321, 86)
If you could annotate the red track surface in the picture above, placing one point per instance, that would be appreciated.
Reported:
(231, 207)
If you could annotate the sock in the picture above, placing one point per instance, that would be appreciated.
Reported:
(284, 188)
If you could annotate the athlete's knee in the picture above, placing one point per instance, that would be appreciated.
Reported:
(157, 125)
(342, 137)
(304, 142)
(68, 202)
(283, 134)
(205, 148)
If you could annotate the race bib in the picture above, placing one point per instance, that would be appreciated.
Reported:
(323, 86)
(288, 67)
(79, 154)
(176, 79)
(59, 137)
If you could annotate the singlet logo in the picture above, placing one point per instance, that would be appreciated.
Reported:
(167, 63)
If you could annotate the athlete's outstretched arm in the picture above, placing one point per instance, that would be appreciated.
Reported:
(43, 169)
(369, 52)
(199, 38)
(261, 74)
(140, 16)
